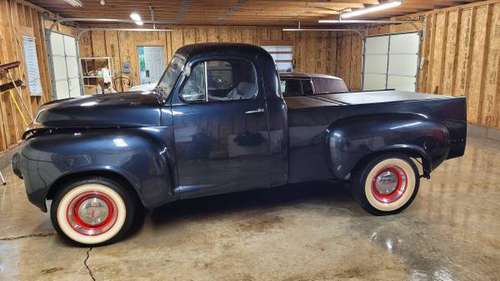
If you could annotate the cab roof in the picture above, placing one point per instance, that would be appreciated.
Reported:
(192, 50)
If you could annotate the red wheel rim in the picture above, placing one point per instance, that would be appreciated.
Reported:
(91, 213)
(389, 184)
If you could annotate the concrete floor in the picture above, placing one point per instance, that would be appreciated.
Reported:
(300, 232)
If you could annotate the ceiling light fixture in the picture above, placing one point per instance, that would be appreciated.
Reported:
(135, 16)
(140, 23)
(372, 9)
(74, 3)
(367, 21)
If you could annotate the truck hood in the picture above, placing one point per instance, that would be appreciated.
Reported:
(102, 111)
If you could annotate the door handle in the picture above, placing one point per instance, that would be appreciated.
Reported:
(258, 110)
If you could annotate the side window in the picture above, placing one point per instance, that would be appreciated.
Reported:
(307, 87)
(231, 80)
(220, 80)
(292, 88)
(194, 89)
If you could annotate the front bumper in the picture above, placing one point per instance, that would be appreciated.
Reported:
(36, 188)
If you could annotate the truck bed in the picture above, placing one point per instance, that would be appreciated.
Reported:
(310, 117)
(359, 98)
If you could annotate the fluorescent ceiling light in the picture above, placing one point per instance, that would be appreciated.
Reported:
(365, 21)
(372, 9)
(74, 3)
(135, 16)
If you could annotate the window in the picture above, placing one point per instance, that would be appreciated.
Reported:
(291, 88)
(296, 87)
(219, 80)
(391, 62)
(329, 86)
(65, 68)
(307, 87)
(282, 55)
(167, 81)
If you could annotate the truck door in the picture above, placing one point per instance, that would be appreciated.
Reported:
(220, 128)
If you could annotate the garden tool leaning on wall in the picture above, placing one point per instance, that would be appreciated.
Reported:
(26, 115)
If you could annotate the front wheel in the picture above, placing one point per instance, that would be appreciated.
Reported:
(386, 185)
(93, 211)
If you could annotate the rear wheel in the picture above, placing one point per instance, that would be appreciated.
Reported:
(93, 211)
(387, 185)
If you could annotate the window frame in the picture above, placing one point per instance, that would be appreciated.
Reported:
(191, 64)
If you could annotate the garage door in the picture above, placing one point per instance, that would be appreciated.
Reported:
(391, 62)
(65, 69)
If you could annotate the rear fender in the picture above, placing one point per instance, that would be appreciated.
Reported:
(354, 140)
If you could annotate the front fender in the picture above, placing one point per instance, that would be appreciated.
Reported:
(353, 139)
(141, 156)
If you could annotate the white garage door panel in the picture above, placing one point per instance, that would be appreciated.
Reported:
(56, 44)
(374, 81)
(65, 65)
(396, 64)
(377, 45)
(59, 66)
(403, 65)
(62, 89)
(70, 46)
(405, 43)
(376, 64)
(74, 87)
(72, 67)
(401, 83)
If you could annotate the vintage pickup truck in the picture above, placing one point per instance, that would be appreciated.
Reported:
(217, 123)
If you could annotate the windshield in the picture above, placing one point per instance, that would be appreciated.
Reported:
(167, 81)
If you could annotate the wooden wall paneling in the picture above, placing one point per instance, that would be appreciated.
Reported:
(431, 54)
(357, 62)
(490, 70)
(464, 41)
(201, 35)
(17, 125)
(425, 55)
(477, 62)
(441, 58)
(496, 46)
(98, 44)
(189, 35)
(451, 54)
(113, 50)
(42, 51)
(331, 56)
(178, 40)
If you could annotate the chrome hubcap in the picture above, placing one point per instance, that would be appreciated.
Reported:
(389, 184)
(93, 211)
(386, 182)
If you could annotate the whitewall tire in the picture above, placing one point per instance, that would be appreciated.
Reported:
(93, 211)
(387, 185)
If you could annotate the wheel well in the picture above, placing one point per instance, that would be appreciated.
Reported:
(424, 163)
(66, 179)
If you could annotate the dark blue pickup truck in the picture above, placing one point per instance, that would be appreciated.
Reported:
(217, 123)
